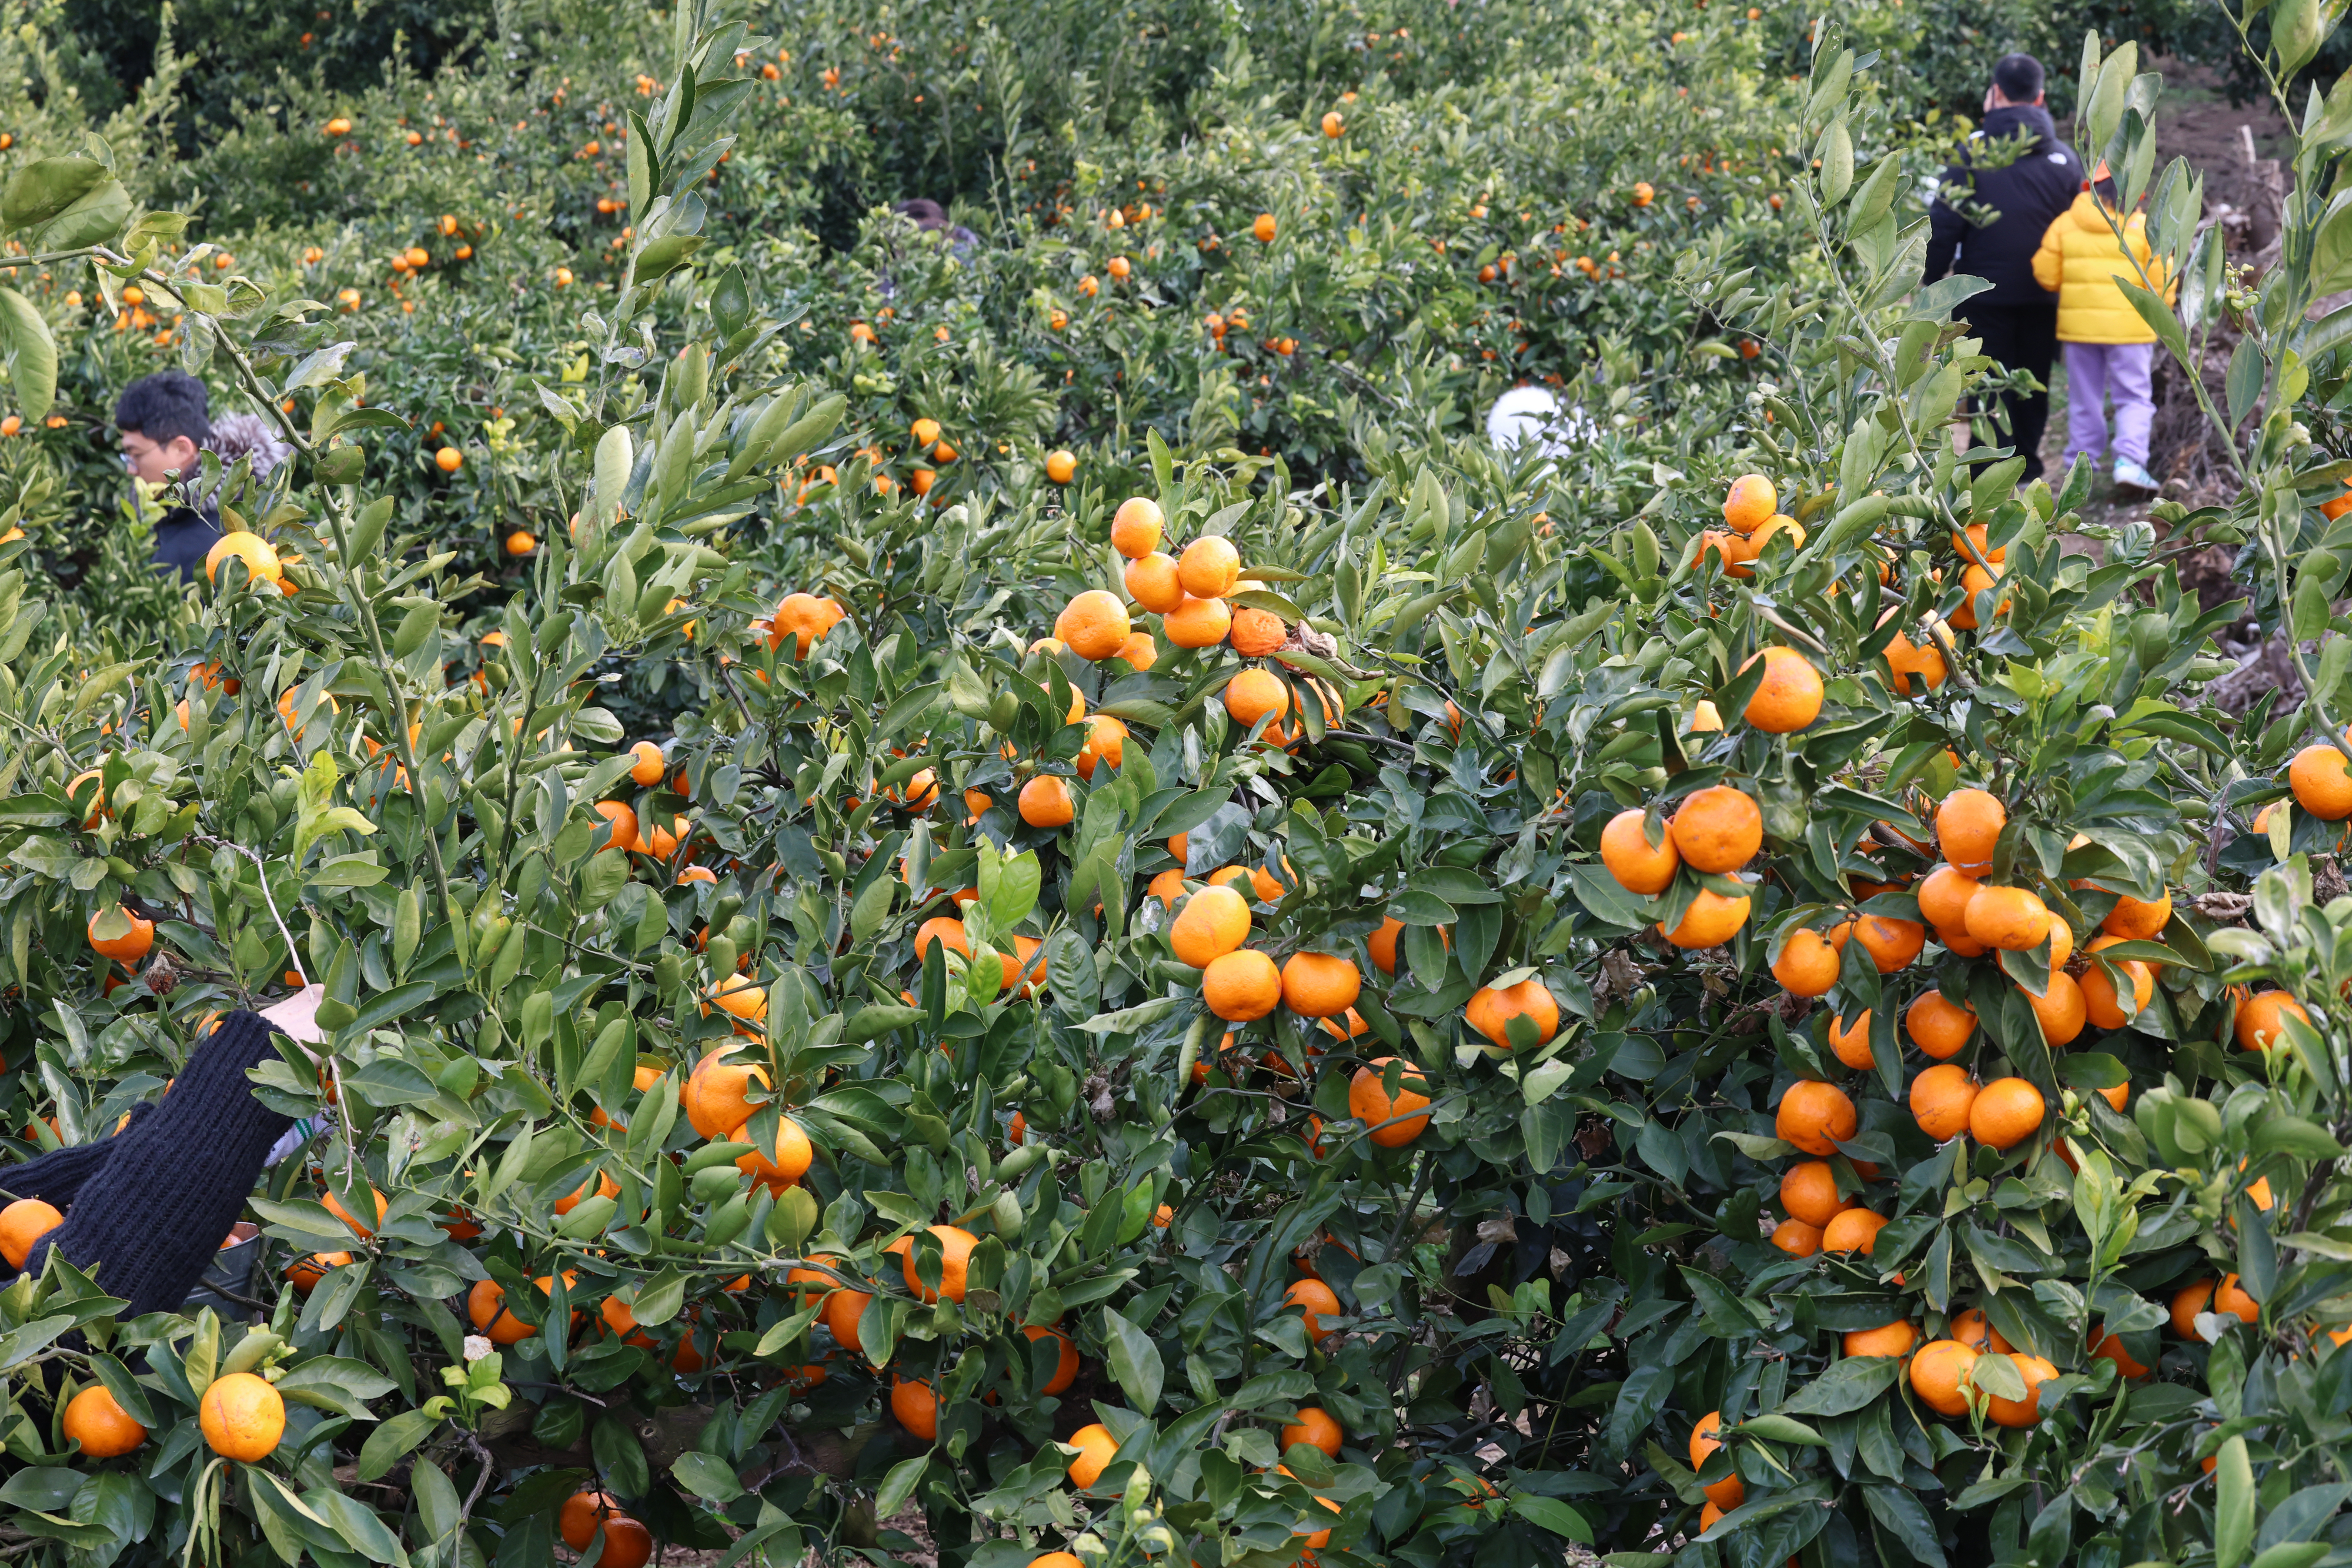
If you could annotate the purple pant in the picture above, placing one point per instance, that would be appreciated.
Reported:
(2095, 371)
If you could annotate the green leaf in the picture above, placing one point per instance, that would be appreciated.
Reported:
(2296, 1135)
(709, 1478)
(33, 1338)
(872, 908)
(1906, 1520)
(46, 188)
(2157, 313)
(1552, 1514)
(30, 354)
(899, 1485)
(2293, 1554)
(1779, 1428)
(357, 1524)
(663, 257)
(48, 1488)
(1845, 1386)
(1134, 1361)
(1730, 1316)
(1010, 885)
(659, 1299)
(2234, 1503)
(391, 1442)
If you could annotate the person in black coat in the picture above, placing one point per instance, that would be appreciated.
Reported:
(163, 423)
(1994, 231)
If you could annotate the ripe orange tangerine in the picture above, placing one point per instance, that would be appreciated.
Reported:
(1849, 1042)
(1210, 568)
(131, 946)
(1854, 1230)
(1968, 825)
(2321, 781)
(1094, 625)
(2012, 918)
(1095, 1448)
(1252, 694)
(1392, 1120)
(2187, 1302)
(2257, 1026)
(1939, 1027)
(1789, 697)
(1751, 500)
(1639, 866)
(1316, 1302)
(1197, 622)
(1717, 829)
(1257, 633)
(102, 1426)
(1213, 922)
(2110, 1347)
(1045, 803)
(2006, 1113)
(1315, 1426)
(955, 1253)
(1241, 987)
(2023, 1412)
(1941, 1099)
(1135, 527)
(1728, 1493)
(1711, 921)
(22, 1224)
(1944, 896)
(1892, 943)
(2102, 1004)
(1152, 581)
(1815, 1118)
(1490, 1011)
(2137, 920)
(1808, 964)
(1939, 1376)
(1895, 1339)
(1319, 985)
(1973, 1329)
(782, 1163)
(1809, 1191)
(2061, 1009)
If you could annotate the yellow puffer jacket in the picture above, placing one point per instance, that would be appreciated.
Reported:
(2079, 260)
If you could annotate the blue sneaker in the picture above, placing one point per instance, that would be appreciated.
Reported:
(2130, 476)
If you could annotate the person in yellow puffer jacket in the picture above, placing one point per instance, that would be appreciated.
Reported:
(2110, 350)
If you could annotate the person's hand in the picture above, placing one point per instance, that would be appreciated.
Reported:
(298, 1015)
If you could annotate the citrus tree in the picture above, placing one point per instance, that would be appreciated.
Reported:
(1275, 984)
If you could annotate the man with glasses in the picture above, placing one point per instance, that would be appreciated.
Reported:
(164, 424)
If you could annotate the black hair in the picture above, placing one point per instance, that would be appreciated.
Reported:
(927, 213)
(163, 407)
(2019, 77)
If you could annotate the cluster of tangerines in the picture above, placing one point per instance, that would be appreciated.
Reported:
(1720, 830)
(240, 1414)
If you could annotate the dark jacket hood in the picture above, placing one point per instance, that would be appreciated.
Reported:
(2010, 118)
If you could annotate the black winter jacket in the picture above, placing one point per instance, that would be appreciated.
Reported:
(184, 535)
(2042, 183)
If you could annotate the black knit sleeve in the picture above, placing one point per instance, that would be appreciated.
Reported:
(149, 1221)
(57, 1177)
